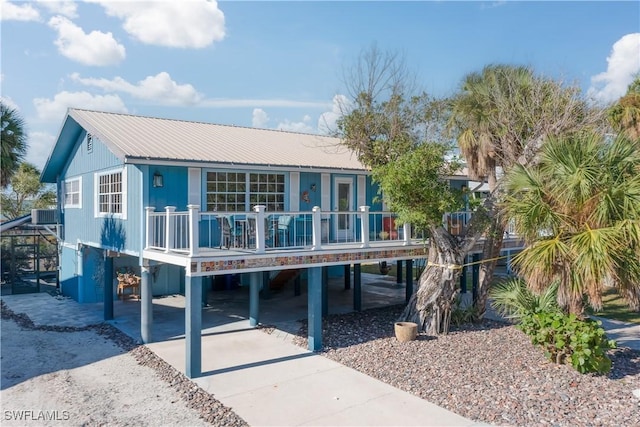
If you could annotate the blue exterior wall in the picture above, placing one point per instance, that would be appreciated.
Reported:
(173, 193)
(308, 181)
(68, 273)
(82, 225)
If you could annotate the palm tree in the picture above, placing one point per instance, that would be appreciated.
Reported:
(624, 115)
(500, 116)
(579, 212)
(14, 142)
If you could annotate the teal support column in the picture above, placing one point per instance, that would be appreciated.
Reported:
(108, 288)
(193, 326)
(347, 277)
(205, 290)
(475, 276)
(266, 286)
(357, 287)
(254, 298)
(399, 271)
(463, 278)
(409, 279)
(314, 305)
(297, 291)
(146, 306)
(325, 291)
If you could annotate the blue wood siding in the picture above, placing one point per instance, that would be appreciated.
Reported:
(69, 273)
(82, 225)
(307, 182)
(173, 193)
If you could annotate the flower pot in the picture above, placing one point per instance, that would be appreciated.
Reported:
(406, 331)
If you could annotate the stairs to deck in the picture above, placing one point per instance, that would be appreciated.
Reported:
(282, 278)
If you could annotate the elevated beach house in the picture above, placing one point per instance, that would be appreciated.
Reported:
(180, 206)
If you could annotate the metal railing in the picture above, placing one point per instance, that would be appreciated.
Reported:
(260, 231)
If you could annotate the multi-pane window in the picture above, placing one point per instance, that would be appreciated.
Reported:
(72, 193)
(110, 193)
(267, 189)
(240, 192)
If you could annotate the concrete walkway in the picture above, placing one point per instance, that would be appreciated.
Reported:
(265, 378)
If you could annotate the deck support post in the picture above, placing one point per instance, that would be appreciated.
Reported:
(325, 291)
(254, 298)
(409, 280)
(399, 271)
(266, 287)
(146, 305)
(357, 287)
(193, 326)
(463, 278)
(108, 287)
(475, 276)
(314, 304)
(296, 286)
(347, 277)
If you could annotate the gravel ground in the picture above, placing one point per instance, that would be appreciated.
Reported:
(489, 373)
(94, 376)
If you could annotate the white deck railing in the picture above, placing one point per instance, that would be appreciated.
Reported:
(260, 231)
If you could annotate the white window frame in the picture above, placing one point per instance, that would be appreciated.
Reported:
(123, 194)
(252, 192)
(66, 192)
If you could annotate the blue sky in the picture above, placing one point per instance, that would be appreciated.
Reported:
(280, 64)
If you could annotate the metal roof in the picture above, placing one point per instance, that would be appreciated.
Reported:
(137, 139)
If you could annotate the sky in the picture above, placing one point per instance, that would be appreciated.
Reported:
(280, 65)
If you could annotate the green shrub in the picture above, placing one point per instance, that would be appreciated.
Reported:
(463, 315)
(567, 339)
(514, 300)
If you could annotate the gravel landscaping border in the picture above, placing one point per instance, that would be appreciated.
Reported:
(487, 372)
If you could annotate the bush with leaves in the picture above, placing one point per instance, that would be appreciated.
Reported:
(514, 300)
(568, 339)
(564, 338)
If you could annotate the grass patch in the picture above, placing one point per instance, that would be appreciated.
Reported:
(615, 308)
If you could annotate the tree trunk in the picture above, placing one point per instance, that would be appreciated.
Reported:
(490, 251)
(431, 304)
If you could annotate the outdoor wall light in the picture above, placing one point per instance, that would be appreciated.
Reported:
(158, 181)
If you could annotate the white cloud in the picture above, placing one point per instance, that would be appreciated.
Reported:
(65, 7)
(303, 126)
(622, 65)
(160, 88)
(260, 118)
(55, 109)
(182, 24)
(40, 145)
(96, 48)
(328, 119)
(13, 12)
